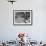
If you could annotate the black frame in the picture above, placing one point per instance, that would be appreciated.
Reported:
(23, 24)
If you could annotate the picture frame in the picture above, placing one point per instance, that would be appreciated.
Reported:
(22, 17)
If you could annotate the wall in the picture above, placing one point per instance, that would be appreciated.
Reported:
(38, 30)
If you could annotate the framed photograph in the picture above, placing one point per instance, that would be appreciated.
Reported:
(22, 17)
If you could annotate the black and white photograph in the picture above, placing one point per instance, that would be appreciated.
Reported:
(22, 22)
(22, 16)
